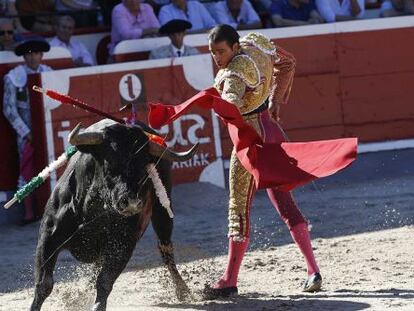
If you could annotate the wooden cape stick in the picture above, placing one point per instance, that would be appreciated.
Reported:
(66, 99)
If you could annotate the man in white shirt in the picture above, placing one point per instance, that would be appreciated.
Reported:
(64, 30)
(340, 10)
(191, 11)
(175, 29)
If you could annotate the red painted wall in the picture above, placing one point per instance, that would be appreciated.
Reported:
(352, 84)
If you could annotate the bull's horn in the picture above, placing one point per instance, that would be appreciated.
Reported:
(146, 128)
(167, 154)
(86, 138)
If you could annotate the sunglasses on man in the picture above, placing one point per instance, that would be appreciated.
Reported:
(4, 32)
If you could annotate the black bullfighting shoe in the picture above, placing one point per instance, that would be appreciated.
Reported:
(313, 283)
(210, 293)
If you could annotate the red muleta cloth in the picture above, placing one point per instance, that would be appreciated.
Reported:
(284, 165)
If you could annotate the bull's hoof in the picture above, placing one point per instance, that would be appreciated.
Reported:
(99, 307)
(313, 283)
(183, 293)
(210, 293)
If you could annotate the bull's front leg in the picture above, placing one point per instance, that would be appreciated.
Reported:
(113, 262)
(48, 247)
(167, 253)
(163, 226)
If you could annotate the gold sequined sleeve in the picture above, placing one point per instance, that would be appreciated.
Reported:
(284, 70)
(233, 90)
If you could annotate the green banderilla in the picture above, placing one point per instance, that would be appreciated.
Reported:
(43, 175)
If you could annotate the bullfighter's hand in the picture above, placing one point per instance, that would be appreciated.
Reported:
(274, 111)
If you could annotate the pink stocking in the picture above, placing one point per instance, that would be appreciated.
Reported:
(234, 260)
(300, 235)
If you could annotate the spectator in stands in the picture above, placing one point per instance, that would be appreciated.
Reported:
(175, 29)
(239, 14)
(7, 35)
(340, 10)
(132, 19)
(191, 11)
(8, 8)
(391, 8)
(83, 11)
(16, 108)
(38, 14)
(65, 26)
(294, 13)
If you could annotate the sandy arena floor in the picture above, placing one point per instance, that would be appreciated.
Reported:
(363, 229)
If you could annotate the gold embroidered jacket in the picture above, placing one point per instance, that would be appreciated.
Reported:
(256, 73)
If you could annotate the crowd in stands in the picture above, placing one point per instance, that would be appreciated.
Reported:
(134, 19)
(142, 18)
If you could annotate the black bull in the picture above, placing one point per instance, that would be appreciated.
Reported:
(102, 205)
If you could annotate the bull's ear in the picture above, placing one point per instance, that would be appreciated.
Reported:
(167, 154)
(86, 138)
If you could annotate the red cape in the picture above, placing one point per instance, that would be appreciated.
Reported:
(284, 165)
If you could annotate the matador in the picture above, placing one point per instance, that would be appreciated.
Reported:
(257, 78)
(254, 79)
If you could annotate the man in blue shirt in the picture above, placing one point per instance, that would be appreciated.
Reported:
(294, 13)
(191, 11)
(340, 10)
(239, 14)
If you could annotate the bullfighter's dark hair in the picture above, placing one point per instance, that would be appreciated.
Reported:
(225, 33)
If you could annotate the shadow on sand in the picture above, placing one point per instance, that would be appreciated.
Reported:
(380, 293)
(320, 301)
(253, 302)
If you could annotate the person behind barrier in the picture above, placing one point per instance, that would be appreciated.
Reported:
(294, 13)
(191, 11)
(175, 29)
(65, 25)
(239, 14)
(8, 36)
(132, 19)
(16, 109)
(340, 10)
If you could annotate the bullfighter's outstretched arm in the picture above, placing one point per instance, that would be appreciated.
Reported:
(283, 72)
